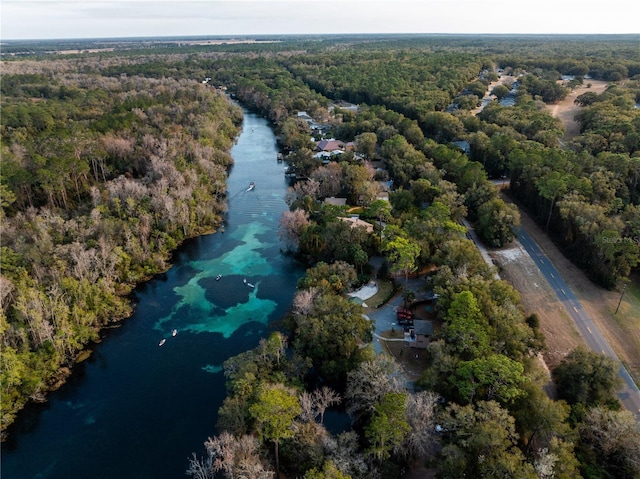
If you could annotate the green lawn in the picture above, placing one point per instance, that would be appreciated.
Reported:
(385, 292)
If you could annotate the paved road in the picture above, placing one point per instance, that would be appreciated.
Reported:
(629, 395)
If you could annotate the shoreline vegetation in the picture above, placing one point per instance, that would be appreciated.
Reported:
(103, 178)
(401, 102)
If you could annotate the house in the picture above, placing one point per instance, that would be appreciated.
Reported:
(336, 201)
(383, 195)
(330, 145)
(343, 105)
(356, 222)
(314, 125)
(303, 115)
(326, 156)
(321, 128)
(419, 335)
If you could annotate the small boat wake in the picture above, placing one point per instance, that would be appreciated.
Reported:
(252, 185)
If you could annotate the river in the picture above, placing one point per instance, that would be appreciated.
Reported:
(137, 410)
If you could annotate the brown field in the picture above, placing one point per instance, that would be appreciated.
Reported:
(518, 269)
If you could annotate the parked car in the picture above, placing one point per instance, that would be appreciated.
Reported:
(405, 317)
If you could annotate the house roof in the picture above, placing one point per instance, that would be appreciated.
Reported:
(330, 145)
(421, 326)
(305, 116)
(336, 201)
(355, 222)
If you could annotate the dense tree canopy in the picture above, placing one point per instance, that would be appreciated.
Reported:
(98, 190)
(110, 162)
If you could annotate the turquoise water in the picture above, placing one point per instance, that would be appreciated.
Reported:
(137, 410)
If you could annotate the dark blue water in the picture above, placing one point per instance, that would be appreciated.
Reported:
(137, 410)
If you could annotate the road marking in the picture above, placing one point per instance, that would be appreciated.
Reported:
(589, 329)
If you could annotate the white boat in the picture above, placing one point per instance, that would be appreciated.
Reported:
(218, 277)
(244, 280)
(162, 341)
(252, 185)
(251, 285)
(174, 332)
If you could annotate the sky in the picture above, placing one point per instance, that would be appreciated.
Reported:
(57, 19)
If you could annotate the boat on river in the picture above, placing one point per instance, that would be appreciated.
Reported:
(174, 332)
(251, 285)
(218, 277)
(162, 341)
(252, 185)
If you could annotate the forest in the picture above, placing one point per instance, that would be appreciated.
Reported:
(111, 160)
(102, 178)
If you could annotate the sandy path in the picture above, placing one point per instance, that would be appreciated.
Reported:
(567, 109)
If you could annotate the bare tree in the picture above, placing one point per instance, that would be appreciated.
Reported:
(6, 291)
(329, 179)
(345, 453)
(304, 300)
(82, 262)
(421, 416)
(304, 192)
(234, 457)
(614, 436)
(31, 305)
(325, 397)
(544, 464)
(200, 468)
(117, 147)
(292, 224)
(315, 404)
(367, 384)
(308, 412)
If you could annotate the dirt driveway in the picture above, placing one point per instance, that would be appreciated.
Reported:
(567, 109)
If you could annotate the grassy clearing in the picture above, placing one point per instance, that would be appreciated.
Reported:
(384, 294)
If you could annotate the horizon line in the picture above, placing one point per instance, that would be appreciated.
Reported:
(262, 35)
